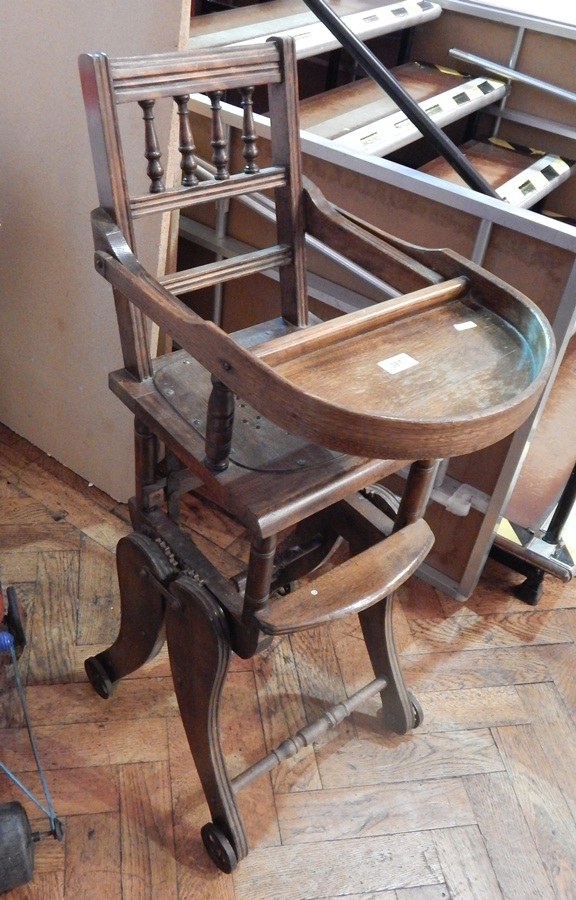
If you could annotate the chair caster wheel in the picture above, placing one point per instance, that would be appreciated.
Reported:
(417, 710)
(219, 848)
(16, 846)
(98, 677)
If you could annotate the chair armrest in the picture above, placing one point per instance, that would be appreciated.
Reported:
(283, 402)
(389, 257)
(366, 248)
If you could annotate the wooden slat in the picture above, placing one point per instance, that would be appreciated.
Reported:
(51, 654)
(88, 745)
(74, 704)
(93, 854)
(276, 680)
(345, 867)
(98, 594)
(391, 760)
(463, 855)
(554, 728)
(144, 792)
(306, 817)
(467, 709)
(476, 668)
(76, 792)
(224, 270)
(510, 844)
(542, 802)
(468, 631)
(320, 679)
(559, 660)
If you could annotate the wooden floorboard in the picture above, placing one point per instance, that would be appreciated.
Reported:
(478, 803)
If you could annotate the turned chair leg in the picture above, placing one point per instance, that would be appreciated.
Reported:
(139, 561)
(199, 649)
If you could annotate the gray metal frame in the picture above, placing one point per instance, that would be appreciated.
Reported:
(510, 17)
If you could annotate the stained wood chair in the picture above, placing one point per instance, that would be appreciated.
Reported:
(286, 423)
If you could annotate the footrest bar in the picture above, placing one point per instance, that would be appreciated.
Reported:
(305, 736)
(351, 587)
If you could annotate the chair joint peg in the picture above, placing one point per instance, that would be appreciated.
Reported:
(100, 260)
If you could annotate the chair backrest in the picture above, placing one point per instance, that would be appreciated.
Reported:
(144, 82)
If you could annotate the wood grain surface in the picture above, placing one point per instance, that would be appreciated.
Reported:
(479, 803)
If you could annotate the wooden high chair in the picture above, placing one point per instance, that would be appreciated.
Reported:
(286, 423)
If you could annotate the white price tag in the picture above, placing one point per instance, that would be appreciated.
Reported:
(398, 363)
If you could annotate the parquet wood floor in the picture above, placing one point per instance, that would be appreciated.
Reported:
(479, 803)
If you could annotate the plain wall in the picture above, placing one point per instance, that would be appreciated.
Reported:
(58, 334)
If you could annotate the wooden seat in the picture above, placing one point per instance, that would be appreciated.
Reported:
(286, 423)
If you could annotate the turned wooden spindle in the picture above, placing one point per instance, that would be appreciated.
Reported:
(186, 146)
(152, 152)
(306, 736)
(249, 148)
(417, 493)
(260, 571)
(219, 426)
(218, 138)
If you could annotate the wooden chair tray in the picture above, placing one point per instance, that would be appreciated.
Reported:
(422, 376)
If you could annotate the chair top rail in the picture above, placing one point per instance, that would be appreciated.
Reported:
(172, 74)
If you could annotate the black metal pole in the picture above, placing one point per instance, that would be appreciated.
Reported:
(380, 74)
(563, 510)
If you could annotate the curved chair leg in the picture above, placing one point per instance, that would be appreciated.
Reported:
(199, 649)
(401, 711)
(142, 613)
